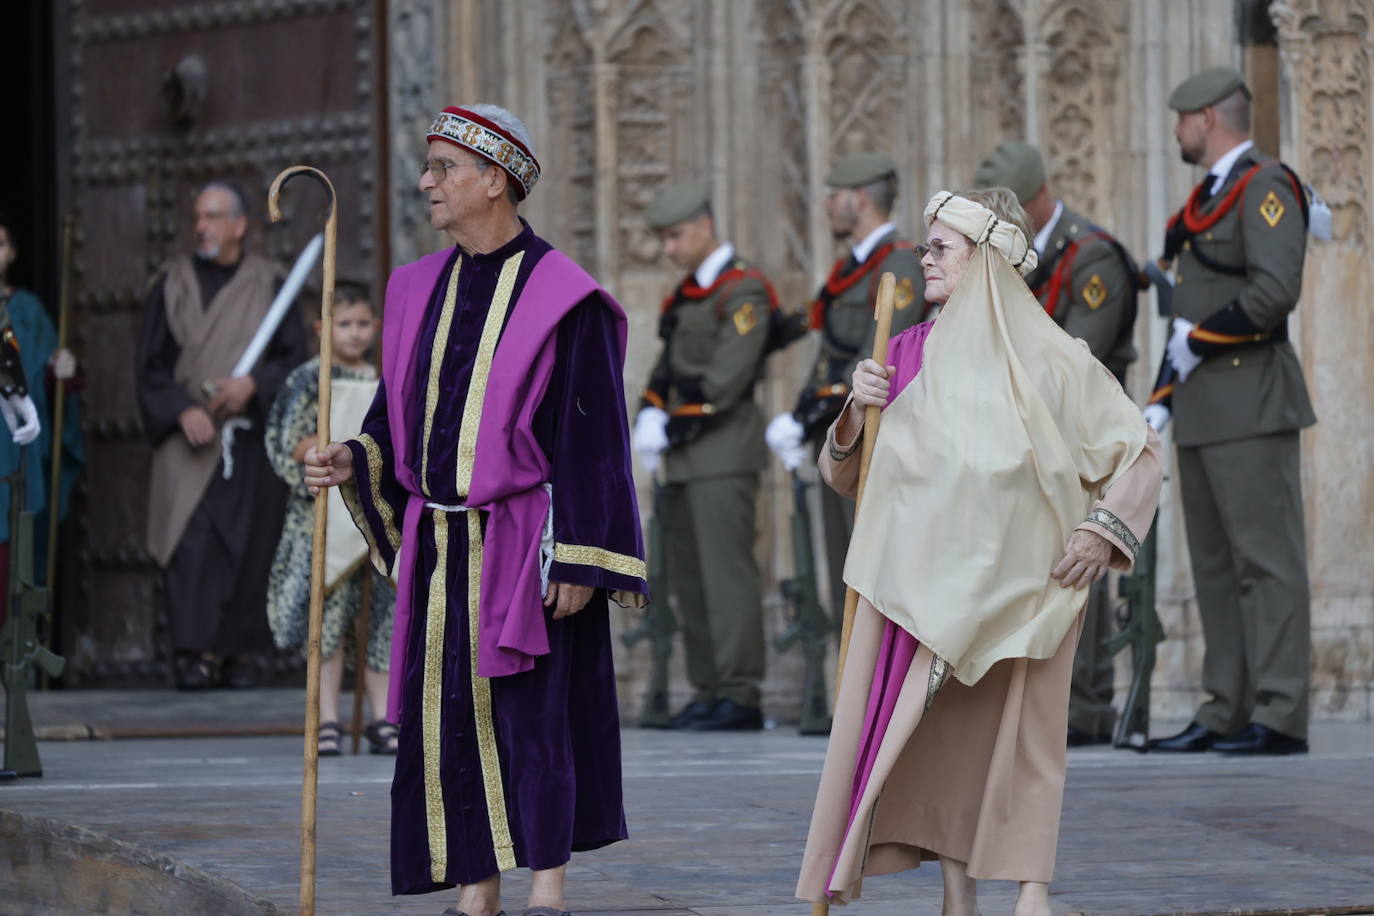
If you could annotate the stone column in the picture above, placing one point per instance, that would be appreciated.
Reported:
(1325, 53)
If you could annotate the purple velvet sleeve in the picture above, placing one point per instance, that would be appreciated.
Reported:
(583, 427)
(374, 498)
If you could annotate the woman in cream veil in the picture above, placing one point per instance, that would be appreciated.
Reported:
(1010, 473)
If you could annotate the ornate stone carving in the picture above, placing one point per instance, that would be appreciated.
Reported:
(1083, 40)
(781, 25)
(572, 127)
(1327, 47)
(653, 89)
(414, 27)
(867, 62)
(998, 43)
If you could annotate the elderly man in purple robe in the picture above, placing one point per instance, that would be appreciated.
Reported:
(493, 474)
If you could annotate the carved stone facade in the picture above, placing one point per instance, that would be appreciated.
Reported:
(1325, 49)
(757, 97)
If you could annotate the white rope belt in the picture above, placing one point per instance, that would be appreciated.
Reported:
(545, 540)
(226, 443)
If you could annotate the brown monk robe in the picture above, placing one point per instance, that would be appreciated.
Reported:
(213, 536)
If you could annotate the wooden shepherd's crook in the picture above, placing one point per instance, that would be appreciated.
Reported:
(887, 287)
(312, 665)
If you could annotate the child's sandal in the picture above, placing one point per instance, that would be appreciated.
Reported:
(327, 740)
(382, 737)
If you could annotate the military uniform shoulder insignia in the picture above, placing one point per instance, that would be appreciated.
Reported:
(1272, 209)
(745, 319)
(905, 294)
(1095, 293)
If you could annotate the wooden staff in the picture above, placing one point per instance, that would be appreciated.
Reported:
(310, 785)
(887, 287)
(360, 661)
(59, 416)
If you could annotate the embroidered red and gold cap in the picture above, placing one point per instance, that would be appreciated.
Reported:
(466, 129)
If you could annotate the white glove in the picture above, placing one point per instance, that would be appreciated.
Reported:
(1158, 416)
(784, 436)
(1183, 358)
(650, 436)
(21, 417)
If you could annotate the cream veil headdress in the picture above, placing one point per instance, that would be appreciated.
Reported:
(985, 464)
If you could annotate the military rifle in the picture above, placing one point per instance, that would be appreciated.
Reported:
(26, 603)
(657, 625)
(810, 625)
(1141, 630)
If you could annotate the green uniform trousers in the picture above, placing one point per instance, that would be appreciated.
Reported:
(708, 525)
(1242, 501)
(1090, 693)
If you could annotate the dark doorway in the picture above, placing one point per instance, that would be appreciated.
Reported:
(28, 196)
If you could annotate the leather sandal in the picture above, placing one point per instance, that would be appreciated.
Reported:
(544, 911)
(328, 740)
(454, 911)
(382, 737)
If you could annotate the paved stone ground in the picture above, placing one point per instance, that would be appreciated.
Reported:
(718, 822)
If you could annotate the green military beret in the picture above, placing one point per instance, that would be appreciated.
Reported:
(1206, 88)
(677, 203)
(1014, 164)
(859, 169)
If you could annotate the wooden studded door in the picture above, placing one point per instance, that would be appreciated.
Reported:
(157, 97)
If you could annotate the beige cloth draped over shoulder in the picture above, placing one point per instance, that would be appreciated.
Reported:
(212, 337)
(986, 462)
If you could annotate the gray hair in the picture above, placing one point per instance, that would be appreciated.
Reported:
(507, 121)
(882, 193)
(1004, 205)
(237, 206)
(1234, 110)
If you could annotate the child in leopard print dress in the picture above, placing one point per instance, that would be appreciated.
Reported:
(290, 432)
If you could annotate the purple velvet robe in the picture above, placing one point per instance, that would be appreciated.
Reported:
(514, 760)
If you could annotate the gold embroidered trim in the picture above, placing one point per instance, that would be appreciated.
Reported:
(501, 841)
(481, 370)
(436, 366)
(431, 702)
(939, 673)
(609, 560)
(349, 491)
(384, 509)
(1116, 526)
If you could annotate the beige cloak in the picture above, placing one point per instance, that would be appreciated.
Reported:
(1008, 440)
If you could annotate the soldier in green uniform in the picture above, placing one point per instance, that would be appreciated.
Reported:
(1232, 383)
(863, 189)
(1086, 281)
(698, 413)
